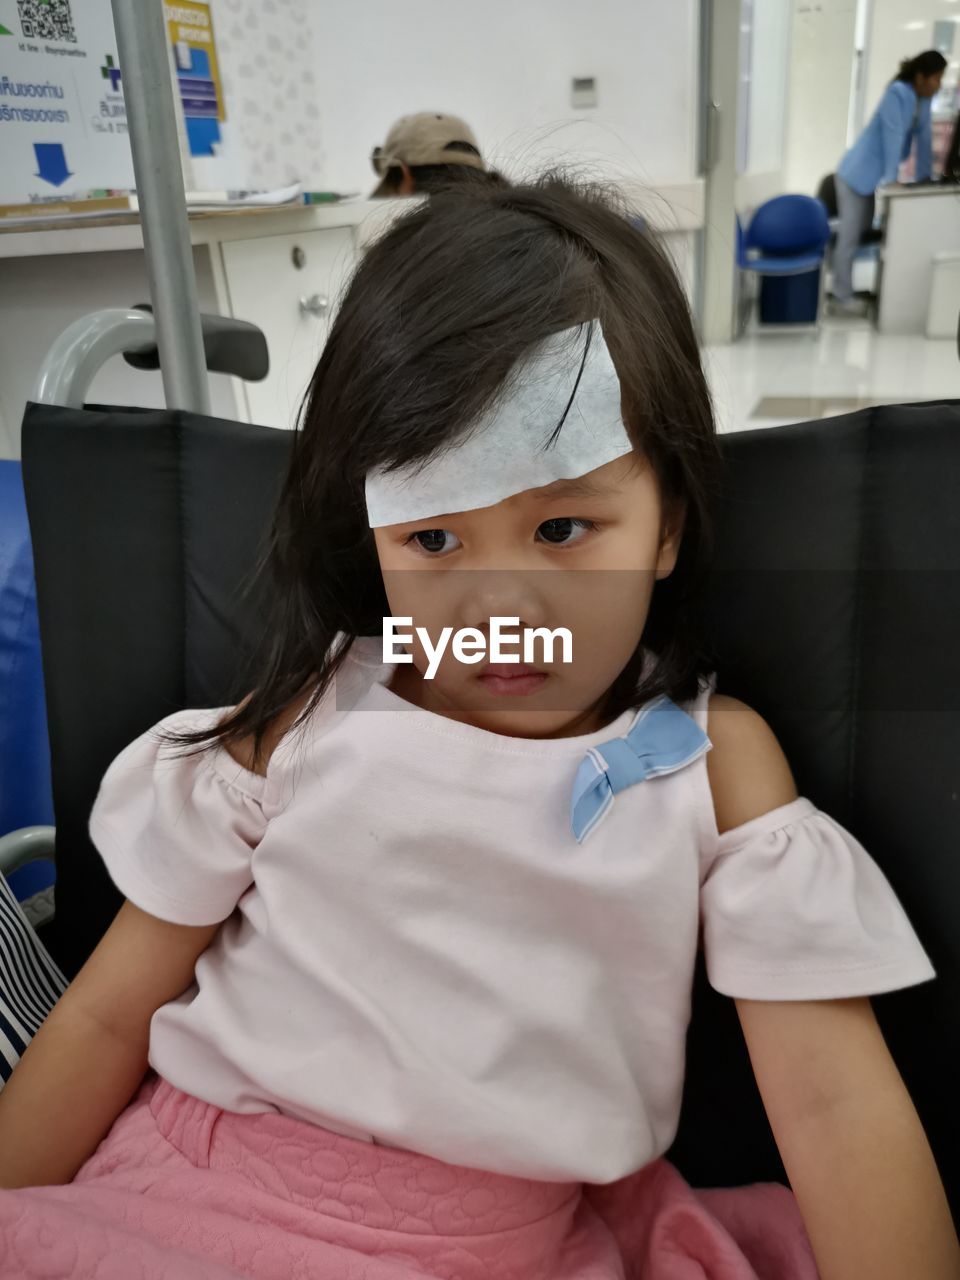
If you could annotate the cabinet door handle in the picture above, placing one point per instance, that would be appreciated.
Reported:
(314, 305)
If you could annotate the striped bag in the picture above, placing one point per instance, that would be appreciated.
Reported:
(30, 982)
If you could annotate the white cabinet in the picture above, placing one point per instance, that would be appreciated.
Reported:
(256, 265)
(40, 294)
(290, 286)
(920, 222)
(943, 311)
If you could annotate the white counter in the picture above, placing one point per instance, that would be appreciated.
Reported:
(254, 265)
(919, 222)
(113, 233)
(670, 207)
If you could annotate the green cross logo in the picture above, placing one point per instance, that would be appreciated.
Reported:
(111, 73)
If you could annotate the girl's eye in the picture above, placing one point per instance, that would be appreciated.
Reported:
(435, 541)
(564, 530)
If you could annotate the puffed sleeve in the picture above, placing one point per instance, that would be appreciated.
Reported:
(794, 908)
(177, 832)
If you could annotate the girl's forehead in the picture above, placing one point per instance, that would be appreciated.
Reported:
(558, 418)
(614, 480)
(609, 481)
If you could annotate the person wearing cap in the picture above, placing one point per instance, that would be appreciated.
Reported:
(426, 151)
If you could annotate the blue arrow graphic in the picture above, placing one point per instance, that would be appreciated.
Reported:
(51, 163)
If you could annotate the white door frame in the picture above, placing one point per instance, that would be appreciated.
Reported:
(861, 62)
(720, 38)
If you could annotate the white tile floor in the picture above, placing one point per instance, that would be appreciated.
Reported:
(847, 358)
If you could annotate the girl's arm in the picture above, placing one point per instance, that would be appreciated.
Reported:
(90, 1055)
(853, 1147)
(850, 1139)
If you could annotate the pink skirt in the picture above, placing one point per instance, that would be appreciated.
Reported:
(180, 1190)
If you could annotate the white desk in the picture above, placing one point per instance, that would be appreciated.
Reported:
(246, 267)
(918, 223)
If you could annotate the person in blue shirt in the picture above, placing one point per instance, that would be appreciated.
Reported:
(874, 160)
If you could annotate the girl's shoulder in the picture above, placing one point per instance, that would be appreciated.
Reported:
(243, 750)
(308, 716)
(747, 770)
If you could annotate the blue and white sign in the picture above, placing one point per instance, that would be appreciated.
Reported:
(63, 124)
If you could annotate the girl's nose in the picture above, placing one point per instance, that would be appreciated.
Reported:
(503, 593)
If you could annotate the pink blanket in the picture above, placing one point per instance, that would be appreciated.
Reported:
(180, 1190)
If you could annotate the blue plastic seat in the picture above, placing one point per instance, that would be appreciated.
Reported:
(789, 225)
(25, 791)
(787, 236)
(26, 802)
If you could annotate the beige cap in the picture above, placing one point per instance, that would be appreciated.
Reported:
(429, 137)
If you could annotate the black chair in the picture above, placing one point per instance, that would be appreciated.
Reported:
(834, 605)
(827, 195)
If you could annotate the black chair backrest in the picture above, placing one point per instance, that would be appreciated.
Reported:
(148, 527)
(827, 194)
(834, 608)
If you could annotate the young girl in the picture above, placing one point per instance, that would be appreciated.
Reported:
(411, 957)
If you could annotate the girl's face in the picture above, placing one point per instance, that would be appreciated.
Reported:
(578, 554)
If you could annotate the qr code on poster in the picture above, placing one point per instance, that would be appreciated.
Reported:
(47, 19)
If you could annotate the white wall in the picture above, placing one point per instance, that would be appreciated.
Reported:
(821, 72)
(762, 106)
(770, 52)
(312, 87)
(506, 66)
(273, 127)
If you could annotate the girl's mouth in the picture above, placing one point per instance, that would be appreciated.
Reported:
(512, 679)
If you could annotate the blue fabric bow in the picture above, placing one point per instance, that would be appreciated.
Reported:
(661, 739)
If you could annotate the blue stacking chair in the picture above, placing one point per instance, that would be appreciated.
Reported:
(784, 246)
(26, 801)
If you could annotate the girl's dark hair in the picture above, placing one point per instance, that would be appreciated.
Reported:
(924, 64)
(438, 313)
